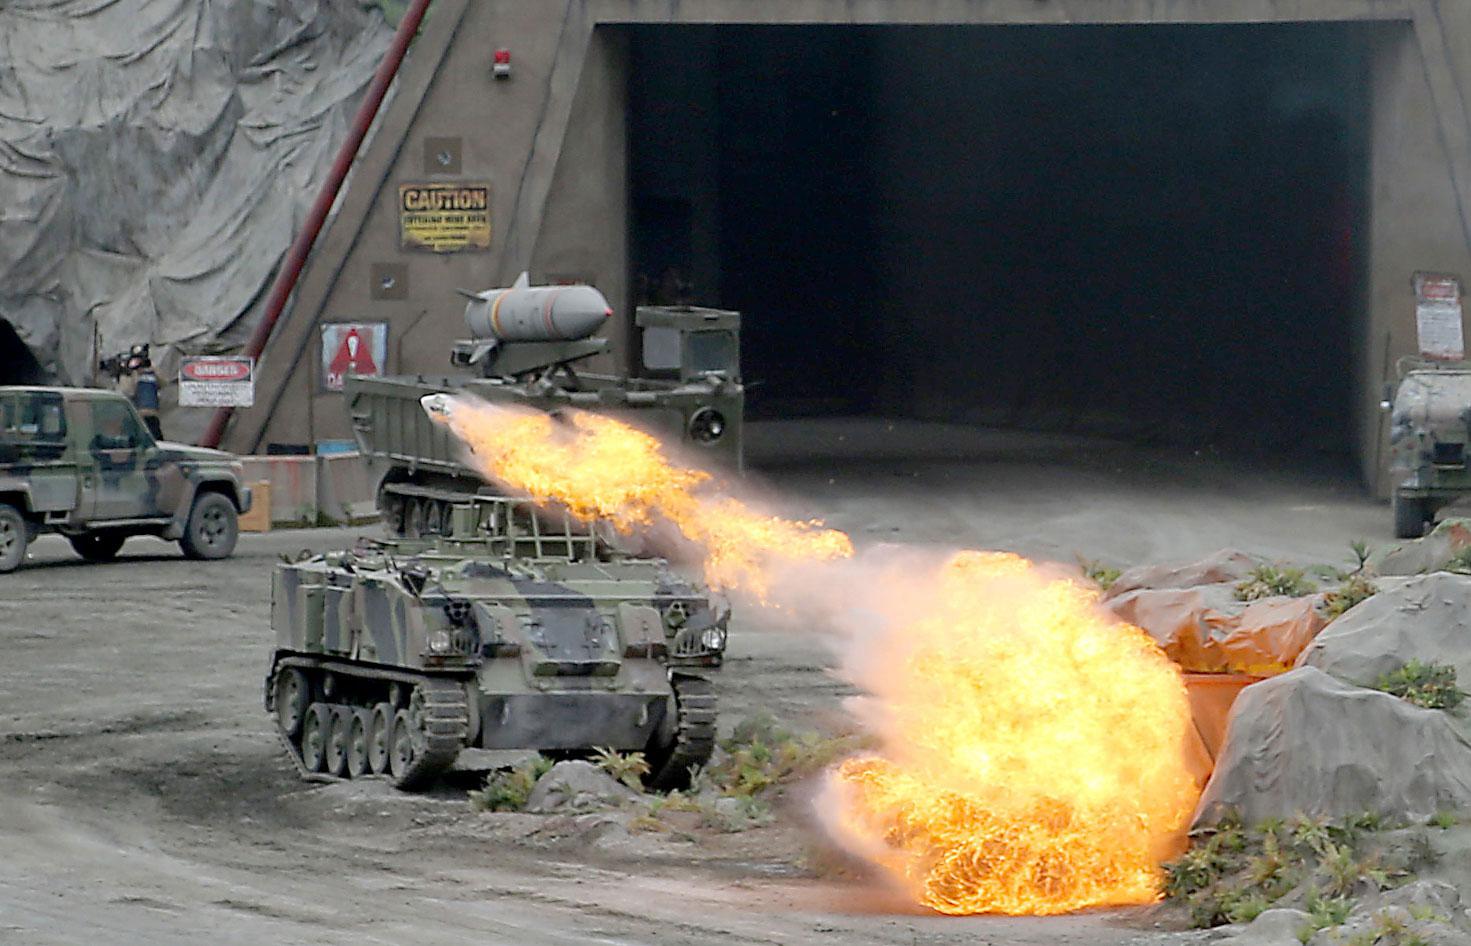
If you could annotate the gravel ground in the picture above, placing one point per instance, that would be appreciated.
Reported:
(144, 797)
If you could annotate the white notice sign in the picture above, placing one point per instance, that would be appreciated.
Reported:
(1438, 316)
(217, 381)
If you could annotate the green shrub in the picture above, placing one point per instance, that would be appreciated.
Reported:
(1444, 820)
(1270, 581)
(508, 789)
(627, 767)
(1100, 574)
(1324, 912)
(1432, 686)
(1357, 588)
(761, 754)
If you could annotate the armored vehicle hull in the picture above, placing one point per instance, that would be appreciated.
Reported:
(503, 634)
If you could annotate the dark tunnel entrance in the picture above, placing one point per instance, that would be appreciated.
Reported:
(18, 365)
(1153, 231)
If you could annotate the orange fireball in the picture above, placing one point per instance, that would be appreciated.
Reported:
(1033, 749)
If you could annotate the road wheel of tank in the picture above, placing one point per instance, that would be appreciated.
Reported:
(338, 739)
(15, 535)
(292, 696)
(379, 731)
(414, 518)
(316, 729)
(671, 759)
(392, 508)
(98, 546)
(357, 742)
(212, 529)
(428, 735)
(1410, 515)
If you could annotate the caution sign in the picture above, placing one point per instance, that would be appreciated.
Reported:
(1438, 316)
(216, 381)
(445, 218)
(352, 348)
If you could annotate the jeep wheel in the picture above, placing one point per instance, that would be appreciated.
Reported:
(98, 546)
(1410, 515)
(15, 535)
(212, 529)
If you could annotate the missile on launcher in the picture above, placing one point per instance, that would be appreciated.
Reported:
(527, 313)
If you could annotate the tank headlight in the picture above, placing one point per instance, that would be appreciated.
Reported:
(713, 639)
(440, 642)
(707, 426)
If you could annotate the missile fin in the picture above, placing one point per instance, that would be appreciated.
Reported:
(523, 281)
(472, 296)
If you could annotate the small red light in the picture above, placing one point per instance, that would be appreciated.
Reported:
(608, 312)
(503, 57)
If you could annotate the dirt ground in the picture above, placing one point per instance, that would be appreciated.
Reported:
(144, 797)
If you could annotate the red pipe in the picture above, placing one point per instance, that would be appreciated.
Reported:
(301, 247)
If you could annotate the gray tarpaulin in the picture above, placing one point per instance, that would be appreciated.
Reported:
(156, 158)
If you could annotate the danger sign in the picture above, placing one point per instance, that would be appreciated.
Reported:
(352, 348)
(216, 381)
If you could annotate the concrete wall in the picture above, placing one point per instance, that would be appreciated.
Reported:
(550, 143)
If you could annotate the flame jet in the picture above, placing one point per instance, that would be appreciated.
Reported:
(1031, 748)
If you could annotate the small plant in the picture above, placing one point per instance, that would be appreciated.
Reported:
(1444, 820)
(1247, 906)
(1360, 549)
(1460, 562)
(1194, 871)
(1432, 686)
(1425, 913)
(1357, 588)
(761, 754)
(1324, 912)
(1100, 574)
(508, 789)
(1270, 581)
(627, 767)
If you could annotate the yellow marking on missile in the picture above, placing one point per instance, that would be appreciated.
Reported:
(495, 313)
(546, 312)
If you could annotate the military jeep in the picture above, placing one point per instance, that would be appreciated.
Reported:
(81, 463)
(1429, 429)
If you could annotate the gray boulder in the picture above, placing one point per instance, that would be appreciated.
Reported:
(1421, 556)
(1227, 565)
(1373, 928)
(1426, 618)
(1307, 743)
(577, 786)
(1279, 927)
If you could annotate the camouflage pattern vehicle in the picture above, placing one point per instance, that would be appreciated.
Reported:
(688, 390)
(514, 630)
(81, 462)
(1429, 427)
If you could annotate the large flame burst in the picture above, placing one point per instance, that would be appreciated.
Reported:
(599, 468)
(1032, 748)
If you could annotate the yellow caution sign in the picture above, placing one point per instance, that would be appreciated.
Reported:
(445, 218)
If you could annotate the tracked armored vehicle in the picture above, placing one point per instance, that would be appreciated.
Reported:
(515, 629)
(527, 348)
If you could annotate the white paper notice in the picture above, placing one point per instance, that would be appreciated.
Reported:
(1438, 317)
